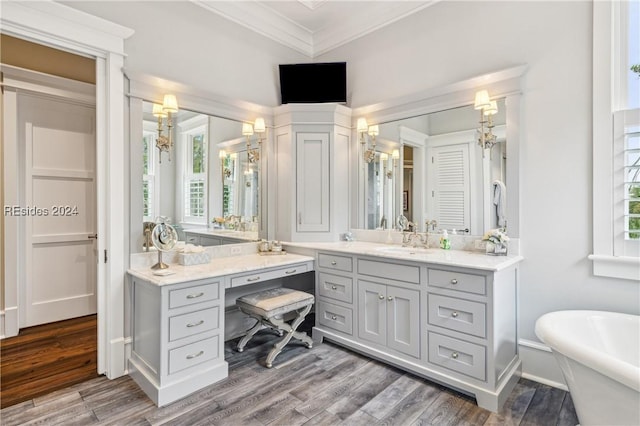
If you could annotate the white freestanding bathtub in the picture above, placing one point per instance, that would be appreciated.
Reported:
(599, 355)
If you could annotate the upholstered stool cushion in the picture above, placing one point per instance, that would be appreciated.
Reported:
(274, 302)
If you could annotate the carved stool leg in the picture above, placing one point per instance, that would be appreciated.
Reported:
(242, 343)
(291, 332)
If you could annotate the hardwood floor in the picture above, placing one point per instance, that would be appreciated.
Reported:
(325, 385)
(48, 357)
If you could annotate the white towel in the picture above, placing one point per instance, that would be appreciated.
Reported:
(499, 200)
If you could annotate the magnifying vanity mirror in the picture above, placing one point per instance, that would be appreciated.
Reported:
(441, 175)
(206, 188)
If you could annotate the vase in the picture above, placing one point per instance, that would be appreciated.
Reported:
(496, 249)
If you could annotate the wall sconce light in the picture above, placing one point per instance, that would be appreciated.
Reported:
(363, 128)
(487, 107)
(169, 106)
(253, 154)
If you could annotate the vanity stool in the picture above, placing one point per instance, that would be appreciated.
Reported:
(268, 307)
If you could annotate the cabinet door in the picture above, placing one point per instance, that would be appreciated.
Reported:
(312, 184)
(372, 312)
(403, 314)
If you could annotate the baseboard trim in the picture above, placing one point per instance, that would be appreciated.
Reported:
(539, 364)
(117, 358)
(9, 322)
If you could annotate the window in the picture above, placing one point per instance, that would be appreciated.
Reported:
(616, 139)
(150, 176)
(195, 179)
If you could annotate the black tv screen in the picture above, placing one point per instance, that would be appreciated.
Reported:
(313, 83)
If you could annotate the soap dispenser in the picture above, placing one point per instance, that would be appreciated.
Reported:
(444, 241)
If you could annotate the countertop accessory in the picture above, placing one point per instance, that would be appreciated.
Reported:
(164, 238)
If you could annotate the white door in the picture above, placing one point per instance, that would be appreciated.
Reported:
(59, 143)
(312, 182)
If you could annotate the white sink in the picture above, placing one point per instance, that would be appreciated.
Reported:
(406, 250)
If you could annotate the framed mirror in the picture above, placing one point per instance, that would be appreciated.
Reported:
(443, 173)
(446, 176)
(186, 185)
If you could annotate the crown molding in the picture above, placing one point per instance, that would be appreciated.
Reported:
(263, 20)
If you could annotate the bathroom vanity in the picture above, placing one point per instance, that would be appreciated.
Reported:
(447, 315)
(178, 319)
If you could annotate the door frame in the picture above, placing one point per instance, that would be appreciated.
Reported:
(68, 29)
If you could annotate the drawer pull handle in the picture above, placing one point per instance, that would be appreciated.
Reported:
(389, 298)
(195, 324)
(334, 263)
(253, 279)
(454, 355)
(381, 296)
(195, 295)
(292, 271)
(333, 317)
(454, 314)
(192, 356)
(333, 287)
(454, 281)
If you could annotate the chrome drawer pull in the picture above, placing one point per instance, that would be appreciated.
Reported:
(334, 263)
(192, 356)
(253, 279)
(195, 324)
(195, 295)
(333, 287)
(292, 271)
(389, 298)
(454, 355)
(333, 317)
(381, 296)
(454, 281)
(454, 314)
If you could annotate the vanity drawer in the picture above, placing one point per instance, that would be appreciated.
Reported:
(335, 287)
(332, 261)
(335, 317)
(269, 275)
(196, 294)
(459, 281)
(194, 354)
(392, 271)
(457, 314)
(457, 355)
(193, 323)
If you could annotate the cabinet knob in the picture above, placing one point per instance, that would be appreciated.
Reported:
(333, 287)
(454, 314)
(454, 355)
(454, 281)
(333, 317)
(334, 263)
(381, 296)
(389, 298)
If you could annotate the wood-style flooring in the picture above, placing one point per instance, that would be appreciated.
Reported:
(47, 357)
(325, 385)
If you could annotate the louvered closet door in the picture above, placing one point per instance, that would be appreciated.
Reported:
(451, 196)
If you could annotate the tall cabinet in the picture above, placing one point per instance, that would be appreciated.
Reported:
(312, 163)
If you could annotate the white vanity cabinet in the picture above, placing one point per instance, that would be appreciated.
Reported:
(312, 171)
(178, 337)
(455, 325)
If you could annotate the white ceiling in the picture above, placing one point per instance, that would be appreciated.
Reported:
(313, 27)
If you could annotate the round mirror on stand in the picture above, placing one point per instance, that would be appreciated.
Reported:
(164, 238)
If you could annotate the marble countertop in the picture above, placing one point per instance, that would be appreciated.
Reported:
(461, 258)
(225, 233)
(218, 267)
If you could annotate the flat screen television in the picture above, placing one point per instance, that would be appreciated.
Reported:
(314, 82)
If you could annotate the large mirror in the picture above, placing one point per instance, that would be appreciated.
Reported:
(204, 185)
(442, 175)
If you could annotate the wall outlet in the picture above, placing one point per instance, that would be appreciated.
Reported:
(235, 250)
(480, 245)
